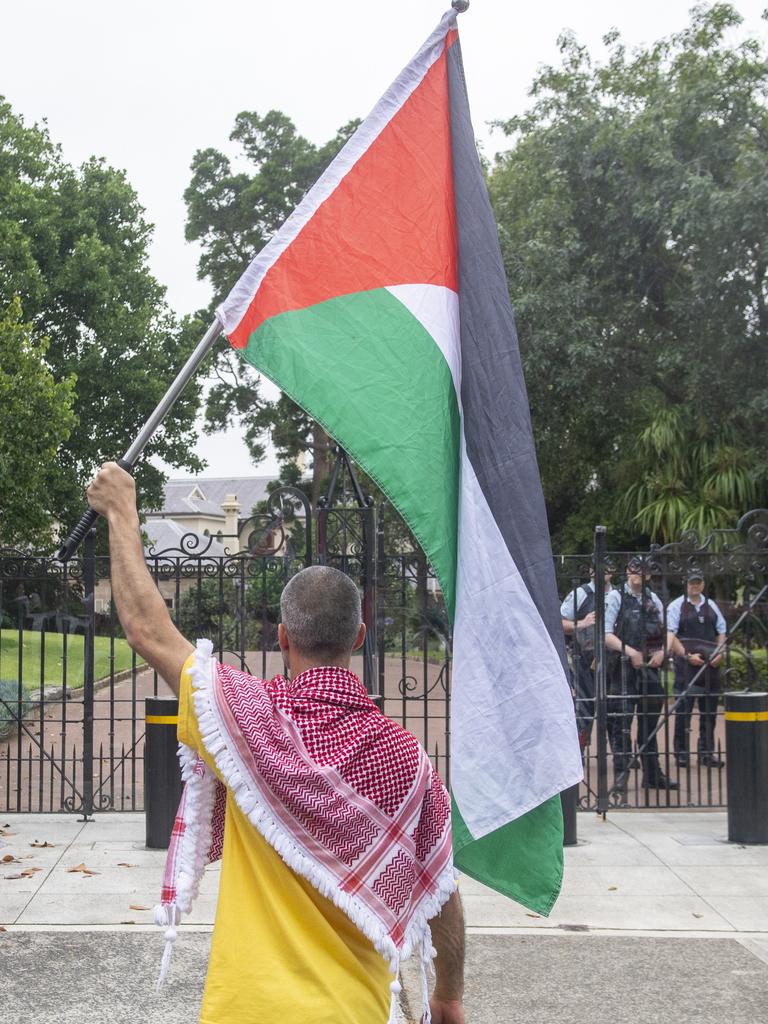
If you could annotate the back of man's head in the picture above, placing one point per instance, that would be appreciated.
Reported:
(320, 611)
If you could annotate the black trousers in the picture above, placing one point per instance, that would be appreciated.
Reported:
(583, 679)
(633, 691)
(706, 693)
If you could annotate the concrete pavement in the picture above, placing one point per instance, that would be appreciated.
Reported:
(660, 919)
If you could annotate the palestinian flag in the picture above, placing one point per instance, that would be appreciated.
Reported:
(381, 308)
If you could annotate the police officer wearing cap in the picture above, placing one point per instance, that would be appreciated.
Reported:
(700, 631)
(634, 636)
(578, 617)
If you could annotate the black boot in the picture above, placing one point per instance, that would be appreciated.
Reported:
(711, 761)
(659, 781)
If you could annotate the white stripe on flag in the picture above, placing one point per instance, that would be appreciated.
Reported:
(513, 740)
(437, 310)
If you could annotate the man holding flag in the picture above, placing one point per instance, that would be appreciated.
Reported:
(332, 828)
(381, 308)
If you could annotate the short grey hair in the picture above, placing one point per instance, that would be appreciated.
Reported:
(320, 611)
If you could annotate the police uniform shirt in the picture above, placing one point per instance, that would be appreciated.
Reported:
(613, 605)
(571, 603)
(674, 610)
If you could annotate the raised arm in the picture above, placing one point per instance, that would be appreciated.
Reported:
(140, 607)
(447, 1002)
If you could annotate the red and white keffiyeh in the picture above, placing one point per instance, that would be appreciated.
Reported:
(347, 798)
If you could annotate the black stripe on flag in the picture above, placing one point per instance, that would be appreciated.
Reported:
(497, 422)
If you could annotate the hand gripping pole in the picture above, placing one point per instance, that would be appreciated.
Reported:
(71, 544)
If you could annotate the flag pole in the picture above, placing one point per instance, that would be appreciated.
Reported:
(189, 369)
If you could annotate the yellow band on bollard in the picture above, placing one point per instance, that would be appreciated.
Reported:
(162, 719)
(746, 716)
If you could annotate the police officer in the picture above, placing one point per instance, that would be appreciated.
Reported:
(578, 617)
(699, 626)
(634, 636)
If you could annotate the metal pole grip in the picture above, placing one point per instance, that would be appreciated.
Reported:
(87, 520)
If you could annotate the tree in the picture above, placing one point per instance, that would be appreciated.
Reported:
(73, 248)
(233, 215)
(36, 417)
(633, 212)
(690, 476)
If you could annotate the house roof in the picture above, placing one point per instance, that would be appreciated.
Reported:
(167, 535)
(204, 495)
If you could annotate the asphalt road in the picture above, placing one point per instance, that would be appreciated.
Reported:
(102, 976)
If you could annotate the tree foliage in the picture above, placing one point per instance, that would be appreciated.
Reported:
(233, 213)
(633, 212)
(36, 417)
(73, 249)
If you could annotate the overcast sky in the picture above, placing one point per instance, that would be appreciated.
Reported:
(147, 84)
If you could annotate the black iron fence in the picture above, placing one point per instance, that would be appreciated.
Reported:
(654, 639)
(72, 692)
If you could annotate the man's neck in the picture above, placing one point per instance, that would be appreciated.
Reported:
(695, 598)
(298, 665)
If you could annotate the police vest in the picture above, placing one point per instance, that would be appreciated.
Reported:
(638, 623)
(588, 604)
(584, 639)
(698, 627)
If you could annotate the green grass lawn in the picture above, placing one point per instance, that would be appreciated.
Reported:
(53, 654)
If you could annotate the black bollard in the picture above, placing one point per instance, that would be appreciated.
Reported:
(746, 746)
(162, 771)
(569, 798)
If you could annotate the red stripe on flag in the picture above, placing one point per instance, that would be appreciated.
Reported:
(390, 220)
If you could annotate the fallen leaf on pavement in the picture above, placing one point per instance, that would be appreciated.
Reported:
(26, 873)
(2, 929)
(82, 869)
(137, 906)
(10, 859)
(533, 915)
(698, 915)
(612, 888)
(4, 831)
(122, 864)
(41, 846)
(127, 922)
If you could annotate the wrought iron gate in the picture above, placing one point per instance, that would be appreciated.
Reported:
(72, 692)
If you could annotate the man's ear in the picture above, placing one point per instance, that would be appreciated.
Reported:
(360, 637)
(282, 638)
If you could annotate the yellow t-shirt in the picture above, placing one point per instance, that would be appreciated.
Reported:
(280, 953)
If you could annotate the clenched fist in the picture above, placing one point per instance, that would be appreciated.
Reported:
(112, 492)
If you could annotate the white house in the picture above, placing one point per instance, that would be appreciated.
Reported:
(209, 506)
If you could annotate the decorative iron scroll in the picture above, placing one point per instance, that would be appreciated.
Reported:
(408, 684)
(740, 551)
(266, 533)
